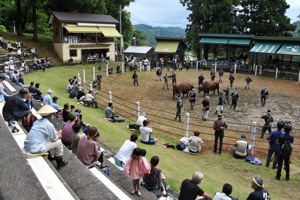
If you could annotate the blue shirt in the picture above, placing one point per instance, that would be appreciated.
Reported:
(47, 100)
(55, 106)
(41, 131)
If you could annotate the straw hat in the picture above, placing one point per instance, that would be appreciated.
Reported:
(46, 110)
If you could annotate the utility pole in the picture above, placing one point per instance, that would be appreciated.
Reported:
(121, 41)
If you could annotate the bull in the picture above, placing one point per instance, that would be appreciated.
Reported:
(182, 87)
(208, 86)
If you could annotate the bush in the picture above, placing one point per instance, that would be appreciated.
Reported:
(2, 29)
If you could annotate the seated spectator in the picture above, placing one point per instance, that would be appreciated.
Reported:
(20, 80)
(70, 86)
(36, 93)
(13, 76)
(259, 192)
(189, 189)
(9, 47)
(146, 132)
(89, 99)
(3, 94)
(70, 61)
(139, 122)
(110, 112)
(126, 150)
(67, 130)
(31, 87)
(87, 150)
(80, 94)
(47, 100)
(17, 106)
(44, 138)
(240, 148)
(195, 143)
(65, 112)
(224, 195)
(75, 89)
(72, 108)
(75, 137)
(153, 182)
(55, 105)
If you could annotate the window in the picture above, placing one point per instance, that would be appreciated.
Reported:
(73, 52)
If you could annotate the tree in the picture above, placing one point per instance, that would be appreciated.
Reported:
(265, 18)
(140, 38)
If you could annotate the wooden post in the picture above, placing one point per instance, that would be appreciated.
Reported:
(252, 142)
(109, 97)
(138, 109)
(187, 125)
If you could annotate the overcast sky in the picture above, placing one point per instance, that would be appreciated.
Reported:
(171, 13)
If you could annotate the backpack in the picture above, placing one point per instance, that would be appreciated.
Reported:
(286, 148)
(28, 121)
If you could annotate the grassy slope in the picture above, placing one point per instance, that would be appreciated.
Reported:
(176, 165)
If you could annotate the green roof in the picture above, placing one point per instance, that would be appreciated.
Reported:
(265, 47)
(290, 49)
(220, 35)
(239, 42)
(208, 40)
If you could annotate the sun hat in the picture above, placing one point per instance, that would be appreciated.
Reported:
(258, 181)
(49, 91)
(46, 110)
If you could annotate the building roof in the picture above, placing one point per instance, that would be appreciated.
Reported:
(138, 49)
(82, 18)
(169, 38)
(225, 35)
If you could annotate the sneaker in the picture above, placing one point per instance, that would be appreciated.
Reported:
(97, 163)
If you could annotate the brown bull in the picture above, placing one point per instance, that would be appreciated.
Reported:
(182, 87)
(208, 86)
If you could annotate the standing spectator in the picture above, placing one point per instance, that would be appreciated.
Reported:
(274, 146)
(189, 189)
(220, 103)
(146, 132)
(153, 182)
(234, 97)
(264, 95)
(192, 98)
(43, 137)
(173, 76)
(259, 192)
(17, 106)
(67, 131)
(268, 123)
(285, 143)
(179, 106)
(75, 137)
(248, 81)
(47, 100)
(226, 90)
(135, 78)
(195, 143)
(221, 73)
(219, 126)
(240, 148)
(205, 108)
(166, 84)
(231, 80)
(225, 194)
(200, 79)
(158, 74)
(126, 150)
(136, 167)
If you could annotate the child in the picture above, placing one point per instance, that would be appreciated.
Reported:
(136, 167)
(75, 137)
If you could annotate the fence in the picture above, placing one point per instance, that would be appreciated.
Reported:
(163, 121)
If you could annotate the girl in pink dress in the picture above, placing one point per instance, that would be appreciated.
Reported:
(136, 167)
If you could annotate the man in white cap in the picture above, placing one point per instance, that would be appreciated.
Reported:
(47, 98)
(259, 192)
(44, 138)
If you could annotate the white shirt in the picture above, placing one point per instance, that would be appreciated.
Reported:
(126, 150)
(88, 97)
(140, 120)
(221, 196)
(145, 133)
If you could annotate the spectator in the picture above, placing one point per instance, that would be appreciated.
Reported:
(225, 194)
(17, 106)
(259, 192)
(110, 112)
(285, 143)
(31, 87)
(90, 99)
(195, 143)
(273, 144)
(80, 94)
(70, 86)
(65, 112)
(205, 108)
(126, 150)
(240, 148)
(67, 131)
(153, 182)
(135, 78)
(3, 94)
(72, 108)
(139, 121)
(44, 138)
(75, 89)
(189, 189)
(75, 137)
(20, 81)
(36, 93)
(47, 100)
(136, 167)
(9, 47)
(219, 126)
(87, 150)
(146, 132)
(55, 106)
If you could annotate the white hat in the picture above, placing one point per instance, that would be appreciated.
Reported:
(49, 91)
(46, 110)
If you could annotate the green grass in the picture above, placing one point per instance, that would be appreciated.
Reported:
(177, 166)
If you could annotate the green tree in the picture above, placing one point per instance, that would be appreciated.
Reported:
(141, 38)
(265, 17)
